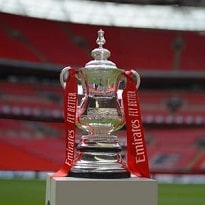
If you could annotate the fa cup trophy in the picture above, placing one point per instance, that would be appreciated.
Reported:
(92, 104)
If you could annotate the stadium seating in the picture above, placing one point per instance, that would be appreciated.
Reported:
(32, 100)
(66, 43)
(200, 162)
(44, 39)
(41, 146)
(193, 52)
(173, 149)
(169, 149)
(11, 48)
(18, 156)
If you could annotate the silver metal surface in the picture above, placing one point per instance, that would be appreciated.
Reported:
(99, 114)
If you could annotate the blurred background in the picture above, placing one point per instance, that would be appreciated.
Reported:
(162, 40)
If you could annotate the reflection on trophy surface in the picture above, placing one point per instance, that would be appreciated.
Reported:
(99, 114)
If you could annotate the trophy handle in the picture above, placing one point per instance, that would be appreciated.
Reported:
(137, 78)
(64, 75)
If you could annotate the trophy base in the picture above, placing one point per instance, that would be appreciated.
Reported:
(100, 175)
(99, 157)
(99, 165)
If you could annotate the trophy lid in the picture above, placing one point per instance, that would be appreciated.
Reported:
(100, 54)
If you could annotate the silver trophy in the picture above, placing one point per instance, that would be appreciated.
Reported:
(99, 114)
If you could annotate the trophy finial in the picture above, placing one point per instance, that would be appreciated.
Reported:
(100, 54)
(100, 40)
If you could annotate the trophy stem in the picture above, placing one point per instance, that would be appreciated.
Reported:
(99, 157)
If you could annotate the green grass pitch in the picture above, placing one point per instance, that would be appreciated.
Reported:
(32, 192)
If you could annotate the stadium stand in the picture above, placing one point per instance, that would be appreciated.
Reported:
(17, 157)
(200, 163)
(173, 117)
(193, 52)
(40, 38)
(13, 48)
(174, 150)
(130, 47)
